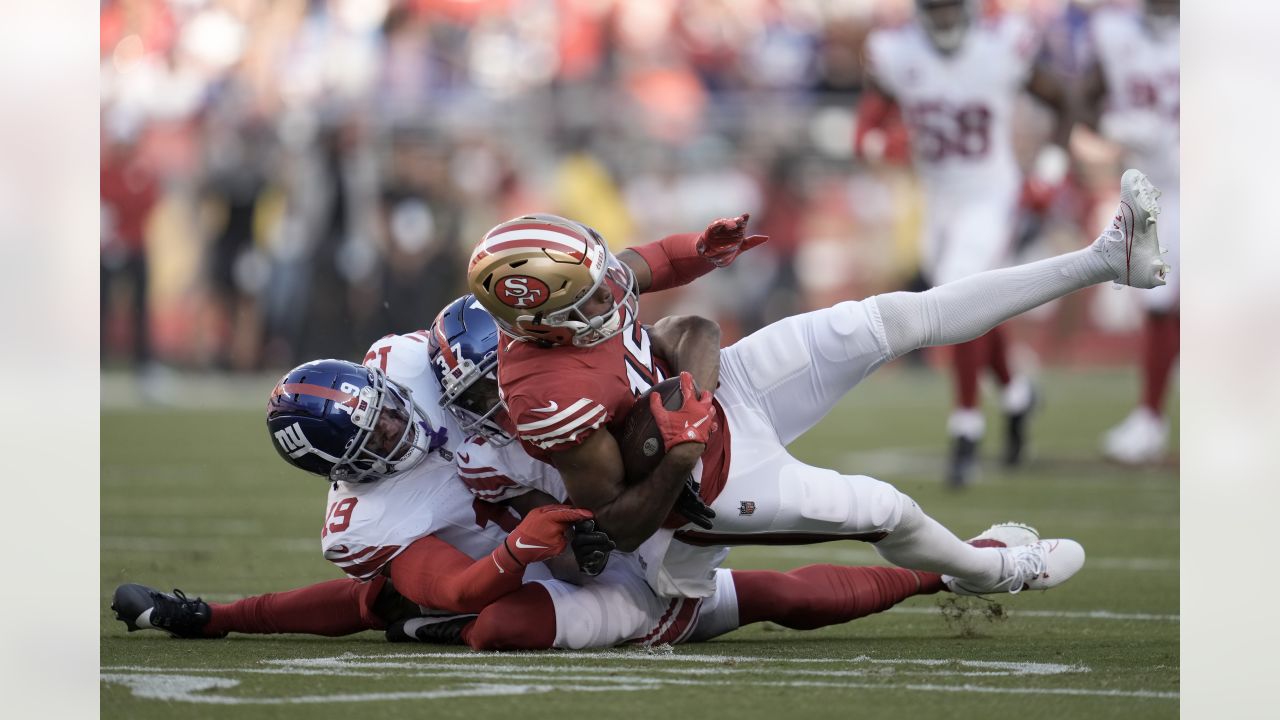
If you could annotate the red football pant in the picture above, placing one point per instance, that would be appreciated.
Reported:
(815, 596)
(969, 358)
(336, 607)
(523, 620)
(1159, 352)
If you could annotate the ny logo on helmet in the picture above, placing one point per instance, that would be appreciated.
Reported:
(522, 291)
(293, 441)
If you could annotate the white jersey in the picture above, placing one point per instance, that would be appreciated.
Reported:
(958, 108)
(368, 524)
(1142, 105)
(497, 473)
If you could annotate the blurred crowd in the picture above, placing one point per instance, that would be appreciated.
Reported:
(290, 179)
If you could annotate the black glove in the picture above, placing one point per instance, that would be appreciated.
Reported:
(591, 547)
(690, 505)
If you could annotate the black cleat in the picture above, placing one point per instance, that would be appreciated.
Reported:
(142, 608)
(434, 630)
(1015, 439)
(963, 463)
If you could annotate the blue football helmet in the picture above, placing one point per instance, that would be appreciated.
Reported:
(463, 347)
(348, 422)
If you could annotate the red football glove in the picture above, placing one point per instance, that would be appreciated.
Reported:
(725, 238)
(543, 534)
(691, 423)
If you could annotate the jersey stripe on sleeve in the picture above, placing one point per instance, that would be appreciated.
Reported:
(364, 564)
(564, 426)
(489, 484)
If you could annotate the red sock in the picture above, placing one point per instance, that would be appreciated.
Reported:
(998, 354)
(523, 620)
(967, 359)
(336, 607)
(1159, 353)
(815, 596)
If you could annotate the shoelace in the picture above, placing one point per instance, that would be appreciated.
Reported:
(172, 610)
(1028, 565)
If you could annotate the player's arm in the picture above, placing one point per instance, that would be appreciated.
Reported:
(593, 473)
(682, 258)
(1047, 87)
(530, 501)
(433, 573)
(691, 344)
(876, 107)
(1091, 94)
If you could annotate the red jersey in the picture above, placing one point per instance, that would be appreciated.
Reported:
(558, 396)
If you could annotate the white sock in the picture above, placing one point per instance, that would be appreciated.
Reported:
(921, 543)
(1016, 396)
(962, 310)
(966, 423)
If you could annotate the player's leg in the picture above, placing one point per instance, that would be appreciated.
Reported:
(523, 620)
(1017, 396)
(815, 596)
(776, 498)
(333, 608)
(965, 425)
(1128, 253)
(792, 372)
(609, 609)
(1143, 435)
(978, 237)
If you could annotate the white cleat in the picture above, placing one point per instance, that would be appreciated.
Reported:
(1037, 565)
(1139, 440)
(1130, 245)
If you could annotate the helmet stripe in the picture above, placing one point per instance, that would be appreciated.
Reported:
(445, 350)
(316, 390)
(538, 226)
(536, 239)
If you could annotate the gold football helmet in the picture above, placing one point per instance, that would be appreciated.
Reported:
(537, 273)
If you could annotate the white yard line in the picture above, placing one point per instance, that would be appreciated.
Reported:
(496, 679)
(858, 554)
(1063, 614)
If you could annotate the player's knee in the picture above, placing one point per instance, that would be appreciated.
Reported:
(850, 332)
(857, 503)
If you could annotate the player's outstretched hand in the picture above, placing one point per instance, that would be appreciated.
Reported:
(591, 547)
(542, 534)
(726, 238)
(691, 422)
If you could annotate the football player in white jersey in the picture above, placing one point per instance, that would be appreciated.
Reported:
(956, 78)
(428, 562)
(1131, 96)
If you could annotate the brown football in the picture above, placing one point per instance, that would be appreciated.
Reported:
(639, 439)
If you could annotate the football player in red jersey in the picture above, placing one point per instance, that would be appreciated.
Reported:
(577, 359)
(485, 589)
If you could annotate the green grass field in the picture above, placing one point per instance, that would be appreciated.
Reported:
(199, 500)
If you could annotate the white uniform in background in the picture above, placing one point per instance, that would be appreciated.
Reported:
(959, 112)
(1141, 70)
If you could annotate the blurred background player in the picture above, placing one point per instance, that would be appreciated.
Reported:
(1130, 95)
(956, 77)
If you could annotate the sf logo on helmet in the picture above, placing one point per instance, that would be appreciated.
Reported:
(522, 291)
